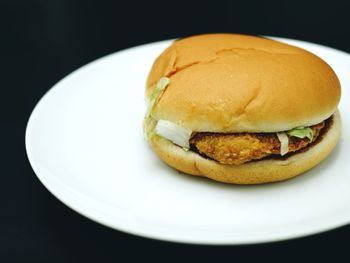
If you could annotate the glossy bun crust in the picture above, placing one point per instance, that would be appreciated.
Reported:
(239, 83)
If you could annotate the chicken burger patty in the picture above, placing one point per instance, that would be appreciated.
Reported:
(239, 148)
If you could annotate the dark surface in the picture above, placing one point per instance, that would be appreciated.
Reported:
(42, 41)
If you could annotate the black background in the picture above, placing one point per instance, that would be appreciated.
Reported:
(41, 41)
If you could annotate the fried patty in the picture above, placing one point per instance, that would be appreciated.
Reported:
(239, 148)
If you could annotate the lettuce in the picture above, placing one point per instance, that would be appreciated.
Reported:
(173, 132)
(283, 138)
(158, 89)
(149, 122)
(301, 132)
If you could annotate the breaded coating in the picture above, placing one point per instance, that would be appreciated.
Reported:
(239, 148)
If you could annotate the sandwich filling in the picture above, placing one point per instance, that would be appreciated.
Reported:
(239, 148)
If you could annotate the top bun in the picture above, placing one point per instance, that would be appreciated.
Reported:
(239, 83)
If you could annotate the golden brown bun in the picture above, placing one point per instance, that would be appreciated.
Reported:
(239, 83)
(258, 172)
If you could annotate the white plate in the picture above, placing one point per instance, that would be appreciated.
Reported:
(85, 143)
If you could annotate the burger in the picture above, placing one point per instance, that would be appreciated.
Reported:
(241, 109)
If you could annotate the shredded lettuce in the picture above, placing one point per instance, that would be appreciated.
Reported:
(149, 122)
(173, 132)
(283, 138)
(301, 132)
(158, 89)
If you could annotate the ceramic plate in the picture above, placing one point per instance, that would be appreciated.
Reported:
(85, 142)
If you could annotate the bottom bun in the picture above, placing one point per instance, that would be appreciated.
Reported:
(256, 172)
